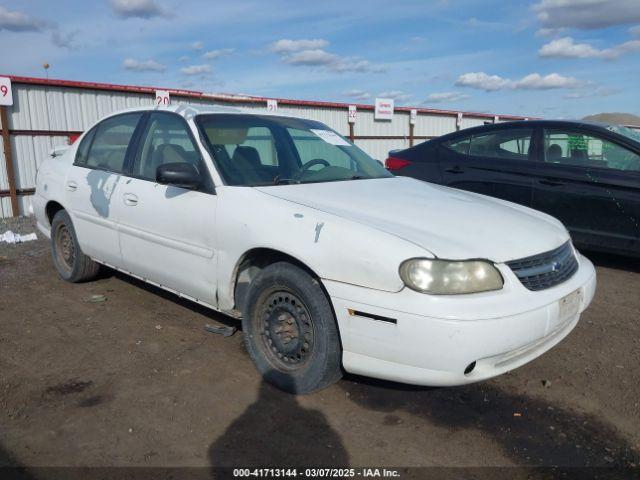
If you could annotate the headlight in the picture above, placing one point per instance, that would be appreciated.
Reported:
(447, 277)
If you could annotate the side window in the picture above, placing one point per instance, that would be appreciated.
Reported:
(82, 154)
(580, 149)
(166, 140)
(459, 145)
(312, 147)
(111, 140)
(510, 144)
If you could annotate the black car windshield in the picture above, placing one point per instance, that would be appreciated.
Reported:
(252, 150)
(626, 131)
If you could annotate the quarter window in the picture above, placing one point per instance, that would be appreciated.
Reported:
(167, 140)
(512, 144)
(580, 149)
(109, 147)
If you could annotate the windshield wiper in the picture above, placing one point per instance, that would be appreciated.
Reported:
(285, 181)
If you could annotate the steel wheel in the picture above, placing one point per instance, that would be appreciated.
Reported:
(65, 247)
(286, 330)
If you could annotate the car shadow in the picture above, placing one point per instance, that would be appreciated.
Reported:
(276, 431)
(531, 431)
(610, 260)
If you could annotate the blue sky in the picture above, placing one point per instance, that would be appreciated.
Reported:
(550, 58)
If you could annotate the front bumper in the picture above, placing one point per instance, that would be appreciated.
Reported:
(435, 338)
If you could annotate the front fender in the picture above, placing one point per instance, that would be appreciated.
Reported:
(334, 248)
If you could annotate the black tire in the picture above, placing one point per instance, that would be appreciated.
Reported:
(290, 330)
(72, 265)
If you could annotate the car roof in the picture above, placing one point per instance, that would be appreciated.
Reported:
(189, 110)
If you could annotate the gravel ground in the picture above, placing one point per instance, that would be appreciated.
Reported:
(135, 381)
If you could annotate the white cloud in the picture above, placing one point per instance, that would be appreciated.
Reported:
(586, 14)
(635, 30)
(137, 8)
(589, 93)
(566, 47)
(533, 81)
(19, 22)
(196, 69)
(311, 58)
(357, 94)
(442, 97)
(397, 95)
(197, 45)
(286, 45)
(310, 53)
(213, 54)
(64, 39)
(143, 66)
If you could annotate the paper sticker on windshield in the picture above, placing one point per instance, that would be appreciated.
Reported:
(331, 137)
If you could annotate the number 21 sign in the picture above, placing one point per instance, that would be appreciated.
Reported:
(6, 96)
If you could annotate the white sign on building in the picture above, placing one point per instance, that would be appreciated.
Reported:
(413, 116)
(162, 98)
(352, 114)
(272, 105)
(384, 109)
(6, 96)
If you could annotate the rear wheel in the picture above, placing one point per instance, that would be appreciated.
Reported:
(290, 330)
(71, 263)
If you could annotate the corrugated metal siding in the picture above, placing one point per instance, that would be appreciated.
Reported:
(69, 109)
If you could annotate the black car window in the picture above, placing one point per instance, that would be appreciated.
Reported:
(586, 150)
(109, 146)
(166, 140)
(512, 144)
(459, 145)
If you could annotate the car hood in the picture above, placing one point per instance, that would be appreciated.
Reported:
(449, 223)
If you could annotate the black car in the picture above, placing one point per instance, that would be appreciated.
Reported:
(585, 174)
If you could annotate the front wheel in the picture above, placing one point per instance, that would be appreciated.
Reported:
(72, 265)
(290, 330)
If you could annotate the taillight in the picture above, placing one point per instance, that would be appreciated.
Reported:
(393, 163)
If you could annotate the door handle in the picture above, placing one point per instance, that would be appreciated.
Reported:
(72, 186)
(130, 199)
(455, 169)
(550, 182)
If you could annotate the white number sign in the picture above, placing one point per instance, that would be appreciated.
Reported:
(459, 120)
(6, 96)
(162, 97)
(272, 105)
(413, 116)
(352, 114)
(384, 109)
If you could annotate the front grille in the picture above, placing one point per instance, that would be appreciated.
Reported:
(547, 269)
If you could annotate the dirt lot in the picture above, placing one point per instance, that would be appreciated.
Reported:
(134, 380)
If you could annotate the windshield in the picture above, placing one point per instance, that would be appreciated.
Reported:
(251, 150)
(626, 131)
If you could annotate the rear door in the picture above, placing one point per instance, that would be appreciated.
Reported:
(592, 184)
(93, 182)
(498, 163)
(167, 233)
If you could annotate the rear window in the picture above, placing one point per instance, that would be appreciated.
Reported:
(111, 140)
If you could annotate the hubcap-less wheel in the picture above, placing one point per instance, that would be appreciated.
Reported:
(65, 248)
(286, 330)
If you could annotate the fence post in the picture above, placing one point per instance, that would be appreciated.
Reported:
(8, 160)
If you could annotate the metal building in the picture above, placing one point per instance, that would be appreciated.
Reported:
(48, 113)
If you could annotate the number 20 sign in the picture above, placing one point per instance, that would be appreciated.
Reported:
(6, 96)
(162, 98)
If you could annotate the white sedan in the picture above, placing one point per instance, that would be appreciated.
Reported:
(330, 261)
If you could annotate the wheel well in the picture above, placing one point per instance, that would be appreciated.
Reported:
(51, 209)
(253, 262)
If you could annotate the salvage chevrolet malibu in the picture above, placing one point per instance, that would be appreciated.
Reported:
(330, 261)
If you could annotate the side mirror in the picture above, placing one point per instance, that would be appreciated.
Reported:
(183, 175)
